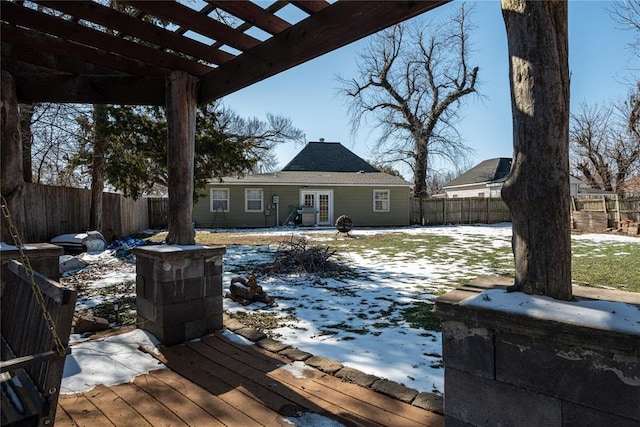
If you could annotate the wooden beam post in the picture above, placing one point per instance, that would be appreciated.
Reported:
(182, 90)
(11, 168)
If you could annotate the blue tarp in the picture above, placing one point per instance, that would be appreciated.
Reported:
(122, 247)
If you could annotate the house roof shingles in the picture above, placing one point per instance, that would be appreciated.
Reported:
(322, 163)
(491, 170)
(319, 178)
(328, 157)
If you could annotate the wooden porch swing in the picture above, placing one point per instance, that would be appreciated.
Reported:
(36, 321)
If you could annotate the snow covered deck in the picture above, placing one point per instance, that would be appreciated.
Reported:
(222, 381)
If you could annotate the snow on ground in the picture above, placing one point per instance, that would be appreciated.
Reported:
(113, 360)
(359, 321)
(610, 315)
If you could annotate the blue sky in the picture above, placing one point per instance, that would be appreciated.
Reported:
(599, 58)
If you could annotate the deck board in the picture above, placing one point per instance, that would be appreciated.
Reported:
(216, 382)
(82, 411)
(410, 412)
(154, 411)
(114, 407)
(221, 412)
(249, 410)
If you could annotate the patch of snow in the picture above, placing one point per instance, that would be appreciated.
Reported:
(296, 369)
(175, 248)
(113, 360)
(238, 339)
(600, 238)
(7, 247)
(306, 419)
(598, 314)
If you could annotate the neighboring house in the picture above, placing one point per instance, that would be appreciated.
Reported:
(487, 178)
(632, 187)
(325, 180)
(483, 180)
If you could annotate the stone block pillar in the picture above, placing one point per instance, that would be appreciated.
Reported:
(44, 258)
(519, 360)
(179, 291)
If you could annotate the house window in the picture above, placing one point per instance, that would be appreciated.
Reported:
(381, 200)
(481, 194)
(219, 200)
(253, 200)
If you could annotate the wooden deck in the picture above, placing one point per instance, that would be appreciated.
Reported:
(215, 382)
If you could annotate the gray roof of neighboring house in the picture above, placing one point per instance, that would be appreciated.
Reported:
(327, 157)
(594, 191)
(492, 170)
(317, 178)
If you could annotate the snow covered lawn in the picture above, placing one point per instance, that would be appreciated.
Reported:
(376, 319)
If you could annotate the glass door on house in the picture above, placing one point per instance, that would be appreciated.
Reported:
(322, 202)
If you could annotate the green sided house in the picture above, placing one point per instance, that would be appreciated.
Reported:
(324, 181)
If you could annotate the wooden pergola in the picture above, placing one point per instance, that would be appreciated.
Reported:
(177, 54)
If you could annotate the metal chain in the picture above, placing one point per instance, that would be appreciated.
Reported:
(60, 348)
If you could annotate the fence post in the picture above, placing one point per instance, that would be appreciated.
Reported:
(444, 210)
(488, 200)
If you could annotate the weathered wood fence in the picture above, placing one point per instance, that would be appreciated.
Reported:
(158, 211)
(52, 210)
(592, 212)
(478, 210)
(475, 210)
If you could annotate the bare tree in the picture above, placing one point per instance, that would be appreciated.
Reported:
(605, 145)
(627, 14)
(605, 140)
(259, 136)
(537, 189)
(55, 130)
(410, 84)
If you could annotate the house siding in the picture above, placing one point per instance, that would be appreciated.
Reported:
(354, 201)
(468, 191)
(357, 203)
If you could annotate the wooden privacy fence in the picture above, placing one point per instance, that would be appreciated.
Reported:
(51, 211)
(158, 210)
(604, 211)
(475, 210)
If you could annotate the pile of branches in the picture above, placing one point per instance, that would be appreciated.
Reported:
(295, 255)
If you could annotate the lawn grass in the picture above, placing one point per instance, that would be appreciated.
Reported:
(610, 265)
(598, 264)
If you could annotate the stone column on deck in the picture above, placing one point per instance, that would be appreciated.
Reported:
(179, 291)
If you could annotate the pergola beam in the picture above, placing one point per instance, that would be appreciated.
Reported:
(67, 30)
(44, 48)
(85, 89)
(345, 21)
(126, 24)
(80, 50)
(196, 22)
(253, 14)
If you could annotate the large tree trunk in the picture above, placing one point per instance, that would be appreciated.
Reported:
(181, 124)
(420, 172)
(97, 166)
(537, 191)
(11, 175)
